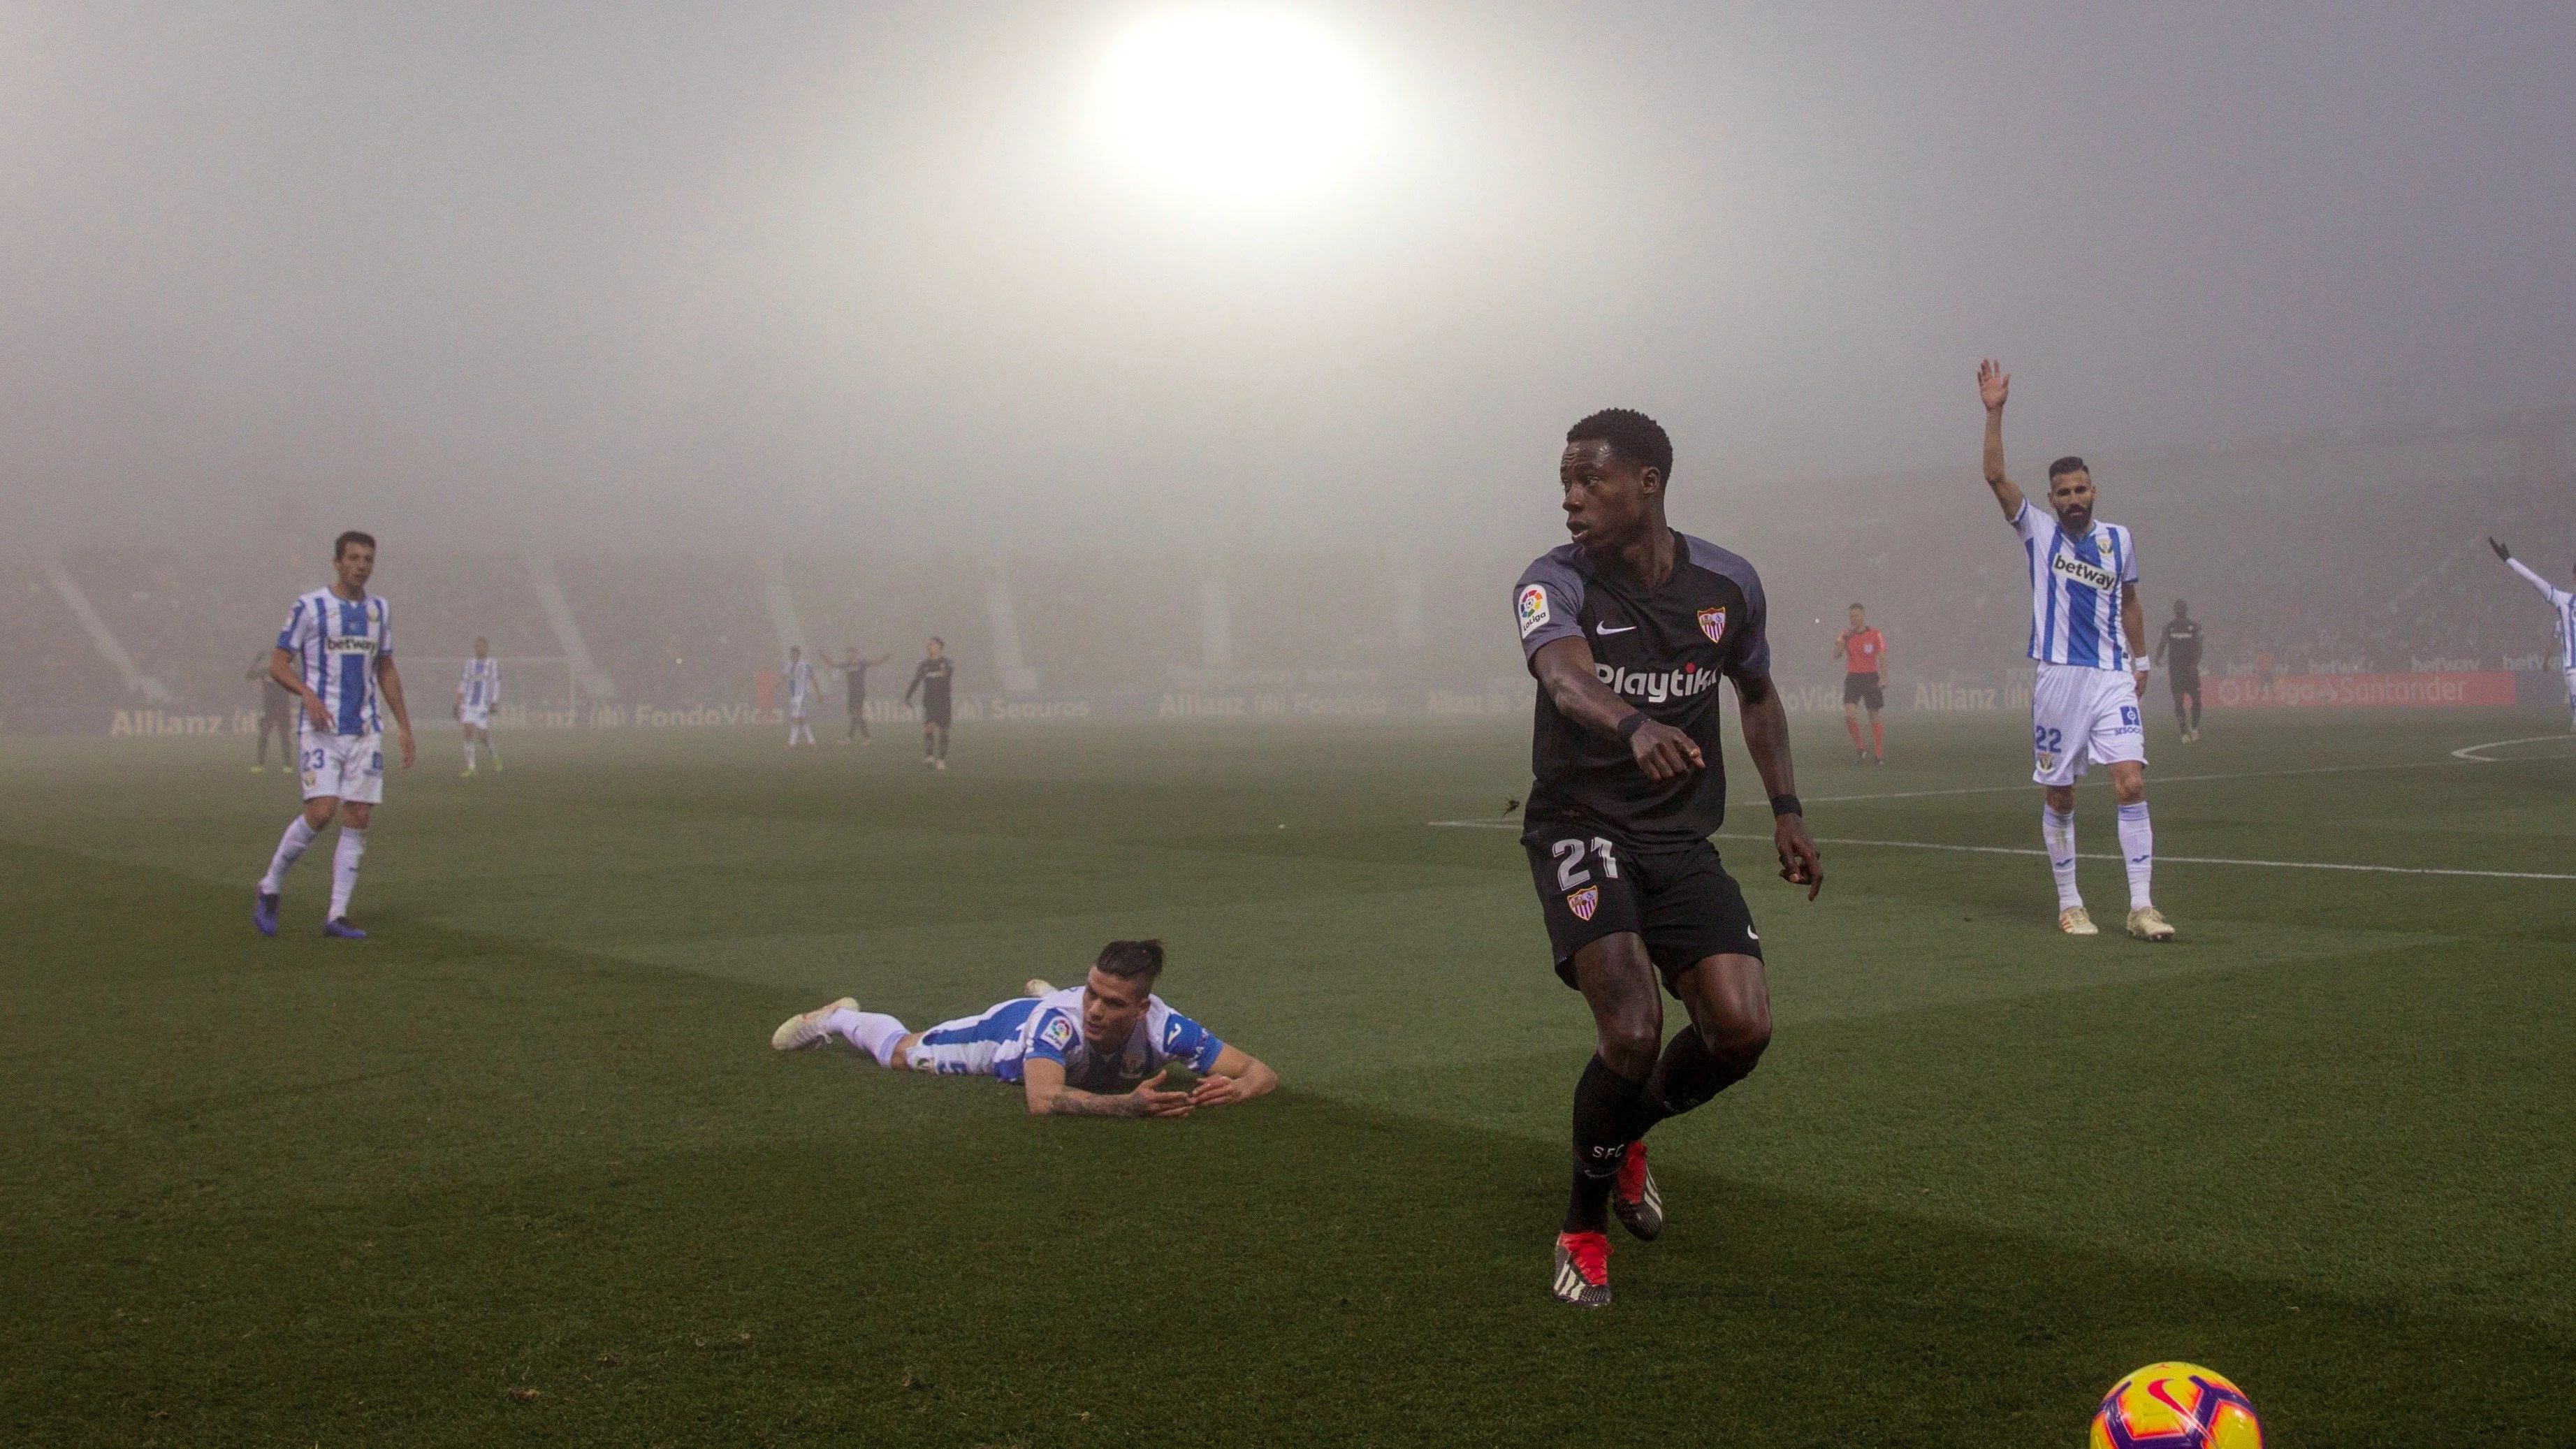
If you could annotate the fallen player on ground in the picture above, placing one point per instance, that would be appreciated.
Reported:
(1095, 1050)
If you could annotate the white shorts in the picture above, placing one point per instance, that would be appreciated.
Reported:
(2077, 712)
(473, 717)
(343, 767)
(796, 709)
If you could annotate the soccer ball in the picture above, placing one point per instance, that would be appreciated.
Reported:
(2175, 1406)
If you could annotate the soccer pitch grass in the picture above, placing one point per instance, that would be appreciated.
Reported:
(523, 1169)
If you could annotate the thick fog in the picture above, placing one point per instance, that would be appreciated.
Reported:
(858, 278)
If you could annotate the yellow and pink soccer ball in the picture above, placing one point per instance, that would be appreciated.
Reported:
(2176, 1406)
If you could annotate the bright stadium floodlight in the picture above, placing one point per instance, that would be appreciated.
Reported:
(1233, 105)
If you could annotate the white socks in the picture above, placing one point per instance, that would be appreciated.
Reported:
(872, 1032)
(2058, 833)
(344, 870)
(290, 849)
(2138, 851)
(469, 753)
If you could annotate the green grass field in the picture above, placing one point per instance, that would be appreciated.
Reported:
(522, 1168)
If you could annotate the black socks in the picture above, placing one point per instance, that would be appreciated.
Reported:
(1608, 1115)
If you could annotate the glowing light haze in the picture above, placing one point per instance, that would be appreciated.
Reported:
(1234, 105)
(1036, 273)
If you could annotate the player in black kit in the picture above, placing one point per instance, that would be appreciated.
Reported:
(2181, 640)
(1628, 629)
(930, 677)
(854, 688)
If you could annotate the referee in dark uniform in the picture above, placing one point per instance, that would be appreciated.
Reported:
(930, 678)
(1628, 630)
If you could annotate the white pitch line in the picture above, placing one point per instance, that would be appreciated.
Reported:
(2154, 779)
(2188, 859)
(2470, 752)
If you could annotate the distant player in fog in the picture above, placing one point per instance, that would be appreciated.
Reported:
(931, 677)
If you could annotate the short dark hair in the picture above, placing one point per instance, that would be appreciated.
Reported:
(1856, 606)
(341, 544)
(935, 639)
(2068, 464)
(1131, 960)
(1631, 434)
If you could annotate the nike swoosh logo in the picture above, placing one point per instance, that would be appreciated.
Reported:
(1606, 629)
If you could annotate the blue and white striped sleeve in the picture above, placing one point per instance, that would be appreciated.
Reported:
(299, 623)
(384, 630)
(1192, 1045)
(2128, 557)
(1051, 1034)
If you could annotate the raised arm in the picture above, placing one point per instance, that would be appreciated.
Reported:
(1994, 386)
(1565, 670)
(1050, 1097)
(916, 681)
(1766, 739)
(2530, 575)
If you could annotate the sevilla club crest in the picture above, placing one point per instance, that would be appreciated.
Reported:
(1584, 902)
(1712, 622)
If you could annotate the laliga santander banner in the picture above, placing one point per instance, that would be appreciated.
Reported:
(2359, 691)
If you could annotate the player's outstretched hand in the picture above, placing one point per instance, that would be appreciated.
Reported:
(1663, 752)
(1151, 1101)
(1799, 862)
(2502, 552)
(1215, 1091)
(409, 749)
(1994, 384)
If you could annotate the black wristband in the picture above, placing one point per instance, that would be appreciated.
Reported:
(1787, 805)
(1635, 721)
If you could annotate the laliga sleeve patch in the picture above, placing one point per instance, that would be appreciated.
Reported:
(1533, 609)
(1058, 1033)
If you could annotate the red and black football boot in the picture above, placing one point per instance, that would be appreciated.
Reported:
(1636, 1200)
(1582, 1269)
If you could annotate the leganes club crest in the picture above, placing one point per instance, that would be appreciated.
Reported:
(1712, 622)
(1584, 902)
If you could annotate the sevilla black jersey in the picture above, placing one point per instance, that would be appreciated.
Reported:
(1663, 650)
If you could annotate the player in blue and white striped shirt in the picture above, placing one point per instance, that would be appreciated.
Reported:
(336, 654)
(1095, 1050)
(2088, 635)
(2562, 609)
(478, 693)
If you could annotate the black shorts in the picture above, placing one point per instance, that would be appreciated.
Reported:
(935, 714)
(1863, 689)
(1681, 900)
(2184, 681)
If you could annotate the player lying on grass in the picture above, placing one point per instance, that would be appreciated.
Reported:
(1095, 1050)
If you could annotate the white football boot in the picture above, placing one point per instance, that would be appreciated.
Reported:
(797, 1033)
